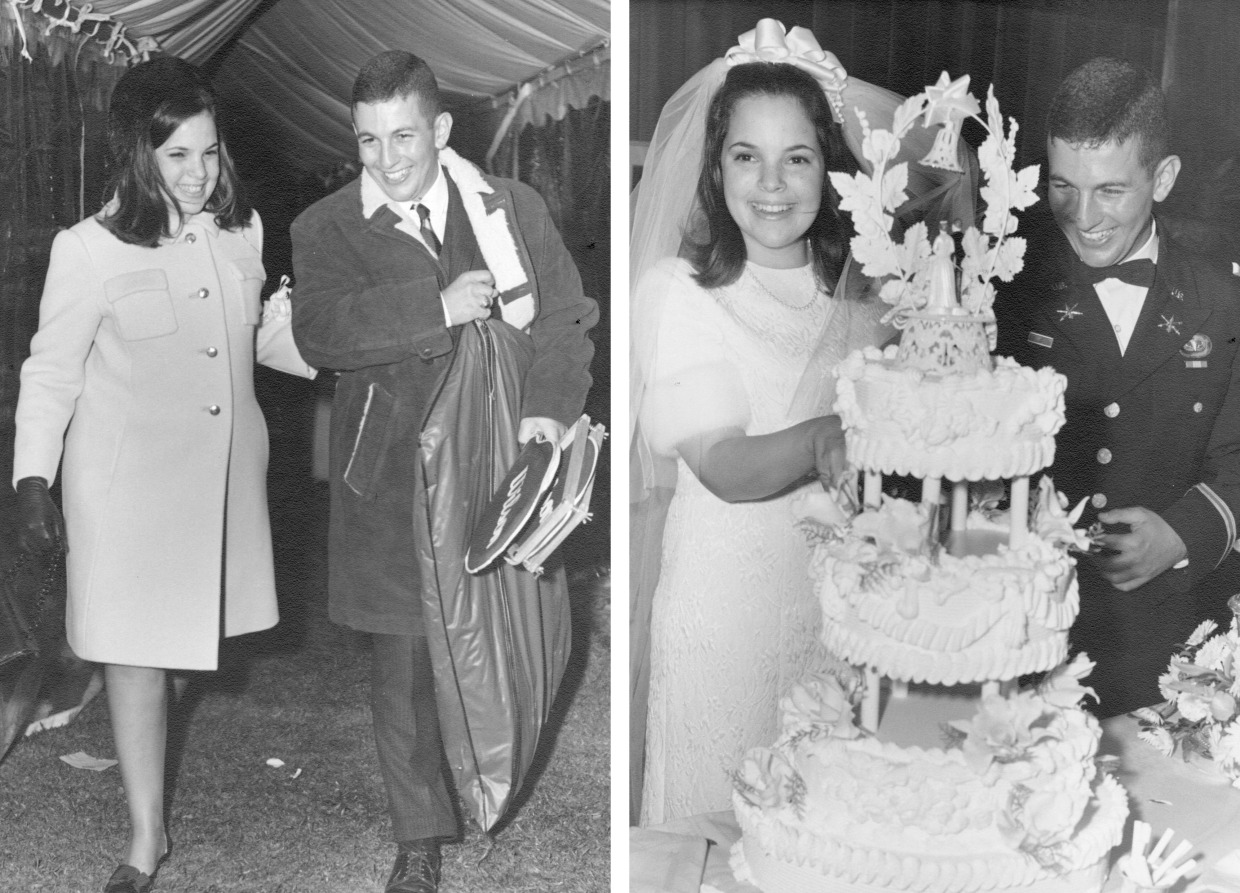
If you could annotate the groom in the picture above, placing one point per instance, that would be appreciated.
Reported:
(389, 269)
(1147, 334)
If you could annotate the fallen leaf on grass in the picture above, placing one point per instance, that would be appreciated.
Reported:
(81, 760)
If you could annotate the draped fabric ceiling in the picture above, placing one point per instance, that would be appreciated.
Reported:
(296, 59)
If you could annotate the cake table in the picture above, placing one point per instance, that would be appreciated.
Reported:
(1192, 799)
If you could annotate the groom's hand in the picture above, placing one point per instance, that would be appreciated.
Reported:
(534, 425)
(1132, 559)
(469, 297)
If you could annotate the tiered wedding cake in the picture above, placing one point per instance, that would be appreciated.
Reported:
(967, 783)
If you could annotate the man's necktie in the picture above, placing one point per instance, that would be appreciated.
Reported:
(1134, 272)
(428, 232)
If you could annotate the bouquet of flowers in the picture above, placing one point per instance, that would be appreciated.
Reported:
(912, 266)
(1202, 689)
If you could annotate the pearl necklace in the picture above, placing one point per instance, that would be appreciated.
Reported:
(813, 294)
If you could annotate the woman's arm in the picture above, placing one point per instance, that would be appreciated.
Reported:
(738, 467)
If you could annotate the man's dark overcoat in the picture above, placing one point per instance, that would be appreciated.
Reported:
(1158, 426)
(367, 305)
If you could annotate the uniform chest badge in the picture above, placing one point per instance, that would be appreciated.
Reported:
(1195, 351)
(1177, 294)
(1170, 325)
(1040, 340)
(1067, 312)
(1061, 285)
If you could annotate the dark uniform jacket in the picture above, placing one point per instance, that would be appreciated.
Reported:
(366, 303)
(1158, 427)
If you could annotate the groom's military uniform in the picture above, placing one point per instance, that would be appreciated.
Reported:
(1156, 425)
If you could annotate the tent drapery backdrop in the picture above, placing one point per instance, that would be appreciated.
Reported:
(296, 59)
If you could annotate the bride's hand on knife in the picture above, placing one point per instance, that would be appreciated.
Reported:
(825, 440)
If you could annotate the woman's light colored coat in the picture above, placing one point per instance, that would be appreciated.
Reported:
(143, 364)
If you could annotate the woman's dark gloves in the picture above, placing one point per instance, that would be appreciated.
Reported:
(40, 526)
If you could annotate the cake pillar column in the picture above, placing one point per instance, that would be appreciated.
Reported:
(960, 504)
(869, 701)
(873, 495)
(1019, 516)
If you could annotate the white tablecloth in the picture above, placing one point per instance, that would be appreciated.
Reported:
(1193, 800)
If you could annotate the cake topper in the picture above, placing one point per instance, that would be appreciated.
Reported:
(914, 265)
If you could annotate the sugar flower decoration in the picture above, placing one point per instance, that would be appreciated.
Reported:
(1201, 714)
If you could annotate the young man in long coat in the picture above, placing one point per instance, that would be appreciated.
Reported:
(1147, 334)
(388, 271)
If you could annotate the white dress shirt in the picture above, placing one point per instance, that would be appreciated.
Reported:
(1123, 301)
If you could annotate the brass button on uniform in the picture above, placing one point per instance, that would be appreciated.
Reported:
(211, 351)
(1098, 500)
(213, 409)
(1104, 456)
(204, 292)
(1196, 407)
(1112, 410)
(191, 238)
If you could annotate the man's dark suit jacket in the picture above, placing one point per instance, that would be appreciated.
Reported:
(366, 304)
(1158, 426)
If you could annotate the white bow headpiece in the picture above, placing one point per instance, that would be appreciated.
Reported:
(769, 41)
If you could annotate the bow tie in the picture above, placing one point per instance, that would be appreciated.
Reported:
(1134, 272)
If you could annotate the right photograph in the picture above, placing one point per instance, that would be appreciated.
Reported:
(934, 446)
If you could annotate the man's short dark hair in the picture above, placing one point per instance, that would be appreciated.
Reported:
(396, 73)
(1110, 100)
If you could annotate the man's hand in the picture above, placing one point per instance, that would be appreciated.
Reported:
(550, 429)
(40, 528)
(1150, 547)
(469, 297)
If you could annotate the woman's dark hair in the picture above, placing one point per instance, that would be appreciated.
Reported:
(149, 103)
(712, 241)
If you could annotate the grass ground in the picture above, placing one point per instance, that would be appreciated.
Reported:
(318, 824)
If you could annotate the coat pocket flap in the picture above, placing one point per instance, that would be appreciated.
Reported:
(136, 281)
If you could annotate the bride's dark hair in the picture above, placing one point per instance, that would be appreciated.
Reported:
(149, 103)
(712, 242)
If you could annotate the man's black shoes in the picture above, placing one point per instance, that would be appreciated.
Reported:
(416, 869)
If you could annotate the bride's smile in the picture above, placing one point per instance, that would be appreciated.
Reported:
(772, 178)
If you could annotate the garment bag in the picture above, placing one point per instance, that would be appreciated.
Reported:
(499, 640)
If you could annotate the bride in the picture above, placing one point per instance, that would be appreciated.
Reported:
(738, 252)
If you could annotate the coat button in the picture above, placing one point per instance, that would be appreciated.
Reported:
(191, 238)
(1098, 500)
(211, 351)
(1112, 410)
(204, 292)
(1196, 407)
(1104, 456)
(213, 409)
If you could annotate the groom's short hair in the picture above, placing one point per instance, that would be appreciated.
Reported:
(398, 73)
(1110, 100)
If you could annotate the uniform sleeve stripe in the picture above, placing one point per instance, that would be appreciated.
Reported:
(1229, 519)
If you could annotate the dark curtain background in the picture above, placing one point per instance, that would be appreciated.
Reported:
(1022, 47)
(52, 173)
(568, 162)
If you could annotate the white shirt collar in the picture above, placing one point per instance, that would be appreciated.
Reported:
(436, 199)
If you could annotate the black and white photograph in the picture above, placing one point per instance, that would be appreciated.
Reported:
(305, 403)
(934, 310)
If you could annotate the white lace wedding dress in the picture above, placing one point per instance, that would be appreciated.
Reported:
(735, 622)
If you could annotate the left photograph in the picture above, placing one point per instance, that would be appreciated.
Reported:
(304, 409)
